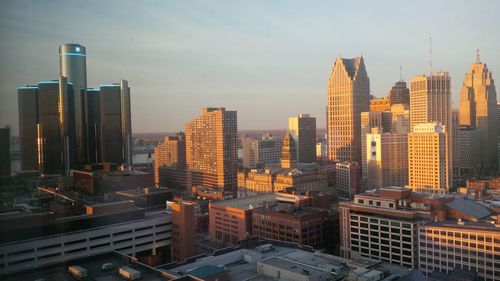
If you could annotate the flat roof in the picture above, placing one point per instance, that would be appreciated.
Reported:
(468, 225)
(297, 268)
(247, 203)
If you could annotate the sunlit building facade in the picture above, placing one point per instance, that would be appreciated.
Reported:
(303, 130)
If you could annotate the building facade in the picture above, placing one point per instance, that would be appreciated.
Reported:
(288, 152)
(469, 151)
(380, 104)
(5, 151)
(183, 235)
(303, 130)
(170, 154)
(94, 125)
(212, 152)
(263, 152)
(348, 179)
(27, 98)
(348, 96)
(400, 94)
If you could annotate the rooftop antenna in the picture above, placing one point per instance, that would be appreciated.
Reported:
(478, 59)
(430, 54)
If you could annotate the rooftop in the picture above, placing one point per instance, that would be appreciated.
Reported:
(469, 208)
(247, 203)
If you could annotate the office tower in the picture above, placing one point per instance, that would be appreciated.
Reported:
(288, 152)
(348, 96)
(171, 153)
(387, 159)
(116, 142)
(370, 120)
(478, 101)
(469, 153)
(94, 130)
(383, 224)
(55, 131)
(455, 149)
(212, 152)
(430, 101)
(303, 131)
(27, 98)
(380, 104)
(183, 235)
(5, 151)
(427, 158)
(73, 66)
(400, 94)
(261, 153)
(348, 179)
(400, 118)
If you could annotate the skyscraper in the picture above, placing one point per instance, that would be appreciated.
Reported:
(400, 94)
(27, 98)
(73, 66)
(303, 130)
(430, 101)
(478, 101)
(288, 152)
(116, 135)
(261, 152)
(171, 153)
(348, 96)
(4, 151)
(427, 170)
(94, 130)
(55, 131)
(212, 153)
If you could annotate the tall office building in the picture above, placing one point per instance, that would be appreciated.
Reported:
(430, 101)
(427, 158)
(303, 130)
(469, 153)
(261, 152)
(94, 124)
(348, 96)
(478, 102)
(387, 159)
(116, 135)
(455, 150)
(347, 179)
(27, 98)
(288, 152)
(73, 66)
(212, 152)
(183, 235)
(4, 151)
(370, 120)
(56, 130)
(171, 153)
(400, 94)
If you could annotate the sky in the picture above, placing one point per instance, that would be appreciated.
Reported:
(269, 60)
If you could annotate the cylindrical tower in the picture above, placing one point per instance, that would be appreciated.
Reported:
(73, 66)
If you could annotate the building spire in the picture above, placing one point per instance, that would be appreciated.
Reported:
(478, 58)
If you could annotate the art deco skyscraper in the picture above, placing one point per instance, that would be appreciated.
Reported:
(478, 101)
(55, 131)
(116, 142)
(348, 96)
(303, 130)
(27, 98)
(73, 66)
(430, 101)
(212, 153)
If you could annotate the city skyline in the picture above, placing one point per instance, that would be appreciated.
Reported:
(242, 57)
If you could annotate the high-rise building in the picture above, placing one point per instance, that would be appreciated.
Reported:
(212, 152)
(288, 152)
(469, 153)
(5, 151)
(55, 131)
(430, 101)
(183, 235)
(348, 179)
(400, 118)
(478, 102)
(380, 104)
(427, 158)
(261, 152)
(387, 159)
(94, 128)
(171, 153)
(73, 66)
(116, 135)
(455, 150)
(400, 94)
(348, 96)
(27, 98)
(303, 130)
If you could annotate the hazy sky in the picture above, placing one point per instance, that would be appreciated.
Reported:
(266, 59)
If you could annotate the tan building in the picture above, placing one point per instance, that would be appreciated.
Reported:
(380, 104)
(430, 101)
(183, 238)
(288, 152)
(171, 153)
(348, 96)
(303, 130)
(348, 179)
(427, 158)
(400, 115)
(478, 102)
(212, 153)
(387, 159)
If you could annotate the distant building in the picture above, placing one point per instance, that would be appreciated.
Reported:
(380, 104)
(288, 152)
(212, 152)
(370, 120)
(303, 130)
(170, 154)
(400, 94)
(321, 151)
(261, 153)
(427, 169)
(27, 98)
(348, 96)
(183, 235)
(469, 152)
(94, 125)
(5, 151)
(348, 179)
